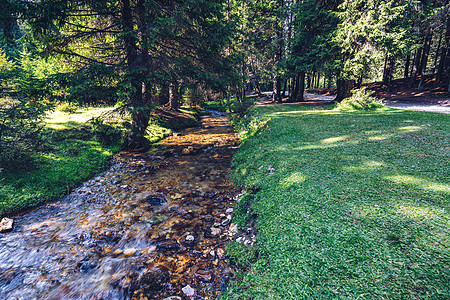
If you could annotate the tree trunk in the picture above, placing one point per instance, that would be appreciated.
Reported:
(444, 63)
(415, 68)
(344, 89)
(389, 72)
(140, 90)
(301, 86)
(424, 60)
(329, 82)
(174, 99)
(437, 53)
(293, 96)
(408, 61)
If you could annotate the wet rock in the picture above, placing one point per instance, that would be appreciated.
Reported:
(229, 210)
(117, 252)
(168, 246)
(203, 275)
(188, 291)
(129, 251)
(215, 231)
(155, 279)
(157, 219)
(6, 224)
(227, 221)
(220, 253)
(173, 298)
(85, 265)
(151, 199)
(190, 238)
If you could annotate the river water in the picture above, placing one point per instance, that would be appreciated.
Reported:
(153, 226)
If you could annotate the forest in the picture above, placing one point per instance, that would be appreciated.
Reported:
(337, 202)
(145, 54)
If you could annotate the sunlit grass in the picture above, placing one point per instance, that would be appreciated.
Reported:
(353, 206)
(60, 120)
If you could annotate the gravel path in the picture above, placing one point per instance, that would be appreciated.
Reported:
(408, 106)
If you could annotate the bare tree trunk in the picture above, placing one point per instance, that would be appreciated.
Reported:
(424, 60)
(301, 86)
(389, 72)
(408, 61)
(444, 64)
(344, 88)
(437, 53)
(174, 101)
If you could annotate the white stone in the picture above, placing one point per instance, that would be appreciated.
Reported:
(188, 291)
(6, 224)
(190, 238)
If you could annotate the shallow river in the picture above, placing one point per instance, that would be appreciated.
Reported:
(153, 226)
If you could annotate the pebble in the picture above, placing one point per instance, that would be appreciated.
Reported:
(220, 253)
(172, 298)
(215, 231)
(118, 252)
(229, 211)
(190, 238)
(129, 251)
(188, 291)
(6, 224)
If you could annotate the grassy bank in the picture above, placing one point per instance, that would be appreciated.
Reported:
(348, 205)
(73, 149)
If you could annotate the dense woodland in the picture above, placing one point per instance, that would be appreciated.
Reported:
(140, 55)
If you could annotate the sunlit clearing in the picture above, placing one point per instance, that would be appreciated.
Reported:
(417, 212)
(409, 128)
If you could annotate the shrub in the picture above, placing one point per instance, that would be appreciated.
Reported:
(68, 108)
(361, 99)
(20, 126)
(106, 133)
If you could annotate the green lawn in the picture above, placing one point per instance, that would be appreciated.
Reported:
(349, 205)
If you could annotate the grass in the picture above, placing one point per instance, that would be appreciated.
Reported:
(74, 148)
(349, 205)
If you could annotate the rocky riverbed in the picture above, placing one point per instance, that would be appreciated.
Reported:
(154, 226)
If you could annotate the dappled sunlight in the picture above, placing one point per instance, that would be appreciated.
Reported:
(292, 179)
(419, 212)
(366, 166)
(334, 139)
(406, 129)
(420, 183)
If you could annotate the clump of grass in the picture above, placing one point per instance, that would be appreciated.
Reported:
(361, 99)
(350, 206)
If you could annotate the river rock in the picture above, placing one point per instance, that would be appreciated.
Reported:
(220, 253)
(6, 224)
(129, 251)
(203, 275)
(151, 199)
(157, 219)
(190, 238)
(155, 279)
(188, 291)
(215, 231)
(173, 298)
(168, 246)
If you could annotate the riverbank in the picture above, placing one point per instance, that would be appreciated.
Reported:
(74, 147)
(346, 205)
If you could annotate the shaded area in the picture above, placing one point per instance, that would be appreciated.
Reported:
(153, 225)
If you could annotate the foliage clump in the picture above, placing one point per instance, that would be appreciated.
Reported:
(20, 127)
(361, 99)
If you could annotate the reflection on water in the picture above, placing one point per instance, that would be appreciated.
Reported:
(154, 225)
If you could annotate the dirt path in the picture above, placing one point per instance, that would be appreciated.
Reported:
(153, 226)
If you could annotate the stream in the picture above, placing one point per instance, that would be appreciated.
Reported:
(153, 226)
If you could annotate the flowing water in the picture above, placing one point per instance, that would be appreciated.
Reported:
(154, 225)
